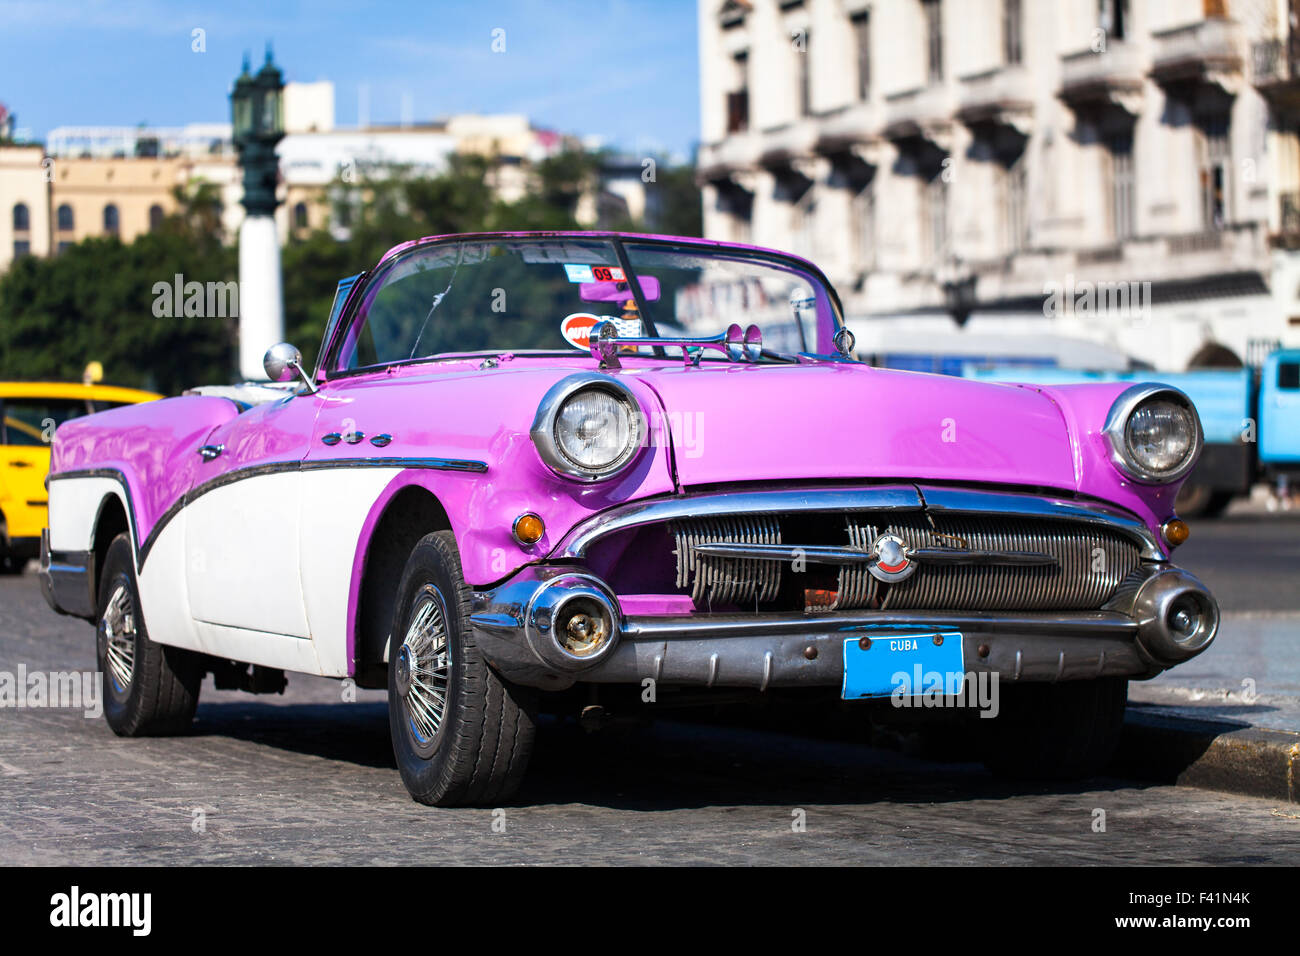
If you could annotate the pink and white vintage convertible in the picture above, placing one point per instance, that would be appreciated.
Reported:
(530, 468)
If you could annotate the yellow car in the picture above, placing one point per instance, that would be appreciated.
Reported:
(29, 413)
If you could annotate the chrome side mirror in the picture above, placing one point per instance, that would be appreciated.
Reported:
(283, 363)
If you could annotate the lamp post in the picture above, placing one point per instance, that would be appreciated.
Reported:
(958, 285)
(257, 117)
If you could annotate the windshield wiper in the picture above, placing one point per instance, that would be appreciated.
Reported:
(437, 301)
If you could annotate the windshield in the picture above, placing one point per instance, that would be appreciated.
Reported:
(544, 294)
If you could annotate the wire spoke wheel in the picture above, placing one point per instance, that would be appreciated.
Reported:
(424, 670)
(117, 634)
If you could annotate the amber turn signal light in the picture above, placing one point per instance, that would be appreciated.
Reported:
(1175, 531)
(528, 529)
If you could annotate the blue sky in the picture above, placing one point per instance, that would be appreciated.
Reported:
(622, 70)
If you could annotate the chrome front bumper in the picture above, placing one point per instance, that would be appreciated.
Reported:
(1135, 635)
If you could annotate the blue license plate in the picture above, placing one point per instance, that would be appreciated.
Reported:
(915, 662)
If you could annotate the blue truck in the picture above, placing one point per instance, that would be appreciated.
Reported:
(1251, 419)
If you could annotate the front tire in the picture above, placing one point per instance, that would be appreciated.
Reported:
(149, 689)
(1063, 731)
(461, 735)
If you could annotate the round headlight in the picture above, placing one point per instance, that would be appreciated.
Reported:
(1154, 433)
(587, 427)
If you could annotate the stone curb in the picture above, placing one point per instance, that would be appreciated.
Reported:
(1210, 754)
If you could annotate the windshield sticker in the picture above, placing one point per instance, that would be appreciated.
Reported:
(584, 273)
(576, 329)
(629, 328)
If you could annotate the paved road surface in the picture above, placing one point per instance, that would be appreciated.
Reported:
(306, 778)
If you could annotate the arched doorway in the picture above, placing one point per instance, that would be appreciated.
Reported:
(1214, 355)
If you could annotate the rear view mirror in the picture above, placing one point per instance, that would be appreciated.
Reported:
(619, 291)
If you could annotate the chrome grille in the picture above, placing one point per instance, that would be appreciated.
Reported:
(1091, 561)
(727, 580)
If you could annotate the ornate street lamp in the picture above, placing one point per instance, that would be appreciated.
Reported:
(958, 285)
(257, 115)
(257, 120)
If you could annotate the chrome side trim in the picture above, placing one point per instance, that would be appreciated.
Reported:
(143, 547)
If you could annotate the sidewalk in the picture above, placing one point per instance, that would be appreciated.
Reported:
(1227, 720)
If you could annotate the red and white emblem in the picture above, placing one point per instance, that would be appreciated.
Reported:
(891, 561)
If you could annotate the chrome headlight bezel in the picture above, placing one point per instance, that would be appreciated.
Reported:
(548, 413)
(1128, 402)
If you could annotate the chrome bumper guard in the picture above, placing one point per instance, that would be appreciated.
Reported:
(66, 579)
(1160, 617)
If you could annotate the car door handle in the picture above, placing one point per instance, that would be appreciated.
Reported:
(19, 463)
(209, 452)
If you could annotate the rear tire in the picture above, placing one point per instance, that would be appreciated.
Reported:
(9, 563)
(149, 689)
(1055, 731)
(1202, 501)
(1218, 504)
(461, 735)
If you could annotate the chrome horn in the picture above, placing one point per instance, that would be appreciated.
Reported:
(736, 343)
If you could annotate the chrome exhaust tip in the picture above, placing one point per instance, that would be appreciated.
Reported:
(1176, 615)
(573, 622)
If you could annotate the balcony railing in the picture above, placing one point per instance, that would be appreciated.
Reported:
(1205, 49)
(1289, 213)
(1001, 95)
(1275, 65)
(916, 112)
(1087, 76)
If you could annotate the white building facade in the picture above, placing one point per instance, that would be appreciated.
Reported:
(1090, 182)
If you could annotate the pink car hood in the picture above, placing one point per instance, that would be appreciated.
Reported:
(837, 421)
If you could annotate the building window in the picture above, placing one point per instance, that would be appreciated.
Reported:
(802, 51)
(864, 226)
(1215, 162)
(933, 10)
(22, 248)
(1015, 203)
(935, 202)
(64, 246)
(66, 221)
(156, 217)
(300, 216)
(343, 214)
(1122, 202)
(805, 224)
(861, 23)
(737, 204)
(1011, 23)
(1112, 17)
(738, 98)
(22, 218)
(112, 224)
